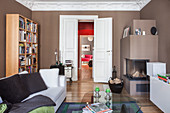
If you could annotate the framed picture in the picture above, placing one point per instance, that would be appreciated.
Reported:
(126, 32)
(85, 47)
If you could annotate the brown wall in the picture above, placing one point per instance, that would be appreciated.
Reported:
(49, 32)
(7, 7)
(160, 11)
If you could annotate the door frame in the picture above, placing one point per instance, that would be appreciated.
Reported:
(61, 29)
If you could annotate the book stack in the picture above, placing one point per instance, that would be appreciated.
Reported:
(97, 108)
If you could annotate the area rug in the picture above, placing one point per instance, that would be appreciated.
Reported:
(116, 106)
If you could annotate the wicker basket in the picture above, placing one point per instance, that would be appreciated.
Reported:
(116, 88)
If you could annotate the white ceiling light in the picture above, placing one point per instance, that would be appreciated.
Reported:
(84, 5)
(90, 38)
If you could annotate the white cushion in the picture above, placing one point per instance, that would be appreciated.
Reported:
(50, 77)
(23, 72)
(53, 93)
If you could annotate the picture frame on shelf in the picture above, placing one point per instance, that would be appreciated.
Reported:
(127, 31)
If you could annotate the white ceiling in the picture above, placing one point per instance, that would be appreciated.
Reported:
(84, 5)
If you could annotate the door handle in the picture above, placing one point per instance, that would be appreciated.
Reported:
(109, 51)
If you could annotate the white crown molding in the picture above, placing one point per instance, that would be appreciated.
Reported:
(131, 5)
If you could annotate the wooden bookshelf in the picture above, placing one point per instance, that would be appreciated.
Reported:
(21, 44)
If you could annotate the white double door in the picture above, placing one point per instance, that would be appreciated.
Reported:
(102, 58)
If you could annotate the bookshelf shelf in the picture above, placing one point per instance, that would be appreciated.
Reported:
(21, 44)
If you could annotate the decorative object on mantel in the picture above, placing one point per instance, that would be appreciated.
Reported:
(143, 33)
(138, 31)
(154, 31)
(126, 32)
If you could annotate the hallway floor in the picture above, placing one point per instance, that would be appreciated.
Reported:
(85, 73)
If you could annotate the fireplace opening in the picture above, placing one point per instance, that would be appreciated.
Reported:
(136, 68)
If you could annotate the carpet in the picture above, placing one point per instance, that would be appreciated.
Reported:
(67, 107)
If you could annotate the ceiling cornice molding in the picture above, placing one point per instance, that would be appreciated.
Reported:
(135, 5)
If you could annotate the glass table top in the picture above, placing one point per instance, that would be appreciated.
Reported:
(115, 103)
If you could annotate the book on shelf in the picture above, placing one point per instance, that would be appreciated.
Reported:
(22, 36)
(28, 25)
(28, 60)
(21, 23)
(34, 48)
(21, 60)
(34, 38)
(29, 69)
(21, 48)
(29, 37)
(97, 108)
(21, 69)
(34, 59)
(34, 27)
(34, 69)
(29, 48)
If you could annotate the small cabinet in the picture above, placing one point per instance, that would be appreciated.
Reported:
(68, 72)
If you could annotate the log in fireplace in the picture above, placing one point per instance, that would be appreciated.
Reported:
(136, 68)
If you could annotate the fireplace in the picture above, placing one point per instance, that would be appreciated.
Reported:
(135, 78)
(136, 68)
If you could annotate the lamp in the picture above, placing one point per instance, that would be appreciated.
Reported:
(90, 38)
(56, 57)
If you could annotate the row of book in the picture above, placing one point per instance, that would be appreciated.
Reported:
(28, 50)
(31, 27)
(97, 108)
(28, 69)
(29, 37)
(29, 60)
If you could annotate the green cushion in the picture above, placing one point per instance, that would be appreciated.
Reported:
(49, 109)
(3, 108)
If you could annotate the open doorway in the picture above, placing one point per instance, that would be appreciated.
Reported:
(85, 50)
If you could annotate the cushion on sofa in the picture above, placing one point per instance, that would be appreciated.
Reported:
(12, 89)
(53, 93)
(50, 77)
(33, 82)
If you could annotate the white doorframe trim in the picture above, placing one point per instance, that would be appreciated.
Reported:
(78, 17)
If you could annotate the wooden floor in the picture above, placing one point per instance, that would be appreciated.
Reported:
(79, 92)
(85, 73)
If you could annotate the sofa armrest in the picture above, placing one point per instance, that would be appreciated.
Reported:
(62, 80)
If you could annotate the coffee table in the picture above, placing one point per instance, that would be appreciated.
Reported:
(115, 103)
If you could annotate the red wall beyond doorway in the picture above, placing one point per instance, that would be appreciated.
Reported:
(84, 28)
